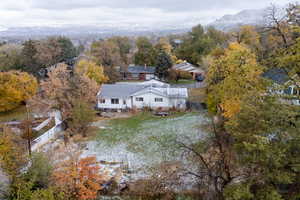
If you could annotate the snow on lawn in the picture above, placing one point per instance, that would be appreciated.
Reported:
(144, 141)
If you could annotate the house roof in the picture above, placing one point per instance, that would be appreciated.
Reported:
(166, 92)
(141, 69)
(118, 90)
(277, 75)
(152, 82)
(127, 90)
(188, 67)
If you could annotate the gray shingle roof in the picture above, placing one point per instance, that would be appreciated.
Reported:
(278, 75)
(141, 69)
(118, 90)
(126, 90)
(188, 67)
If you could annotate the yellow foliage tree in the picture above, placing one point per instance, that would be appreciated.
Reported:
(15, 88)
(91, 70)
(233, 76)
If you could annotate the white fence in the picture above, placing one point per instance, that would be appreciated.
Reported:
(50, 134)
(46, 137)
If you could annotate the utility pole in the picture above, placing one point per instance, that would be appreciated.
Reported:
(28, 131)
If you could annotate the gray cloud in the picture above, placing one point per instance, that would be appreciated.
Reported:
(167, 5)
(121, 12)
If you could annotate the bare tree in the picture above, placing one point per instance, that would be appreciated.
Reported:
(277, 21)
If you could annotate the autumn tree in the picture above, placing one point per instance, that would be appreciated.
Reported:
(124, 45)
(16, 87)
(78, 178)
(247, 35)
(91, 70)
(233, 76)
(38, 54)
(12, 158)
(106, 53)
(229, 76)
(61, 89)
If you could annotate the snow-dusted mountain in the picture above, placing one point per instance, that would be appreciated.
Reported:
(245, 17)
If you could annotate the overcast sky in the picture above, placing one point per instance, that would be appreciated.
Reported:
(121, 12)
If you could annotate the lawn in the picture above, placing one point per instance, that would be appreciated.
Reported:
(145, 140)
(14, 115)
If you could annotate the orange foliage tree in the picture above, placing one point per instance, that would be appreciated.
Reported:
(78, 178)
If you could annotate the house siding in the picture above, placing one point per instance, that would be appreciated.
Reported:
(109, 105)
(149, 101)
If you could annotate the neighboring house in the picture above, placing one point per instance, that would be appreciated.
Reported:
(284, 86)
(139, 73)
(153, 94)
(188, 67)
(152, 82)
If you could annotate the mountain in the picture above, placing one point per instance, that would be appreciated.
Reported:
(245, 17)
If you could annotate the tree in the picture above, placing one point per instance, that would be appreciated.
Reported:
(78, 178)
(106, 53)
(247, 35)
(81, 116)
(232, 72)
(146, 52)
(10, 57)
(91, 70)
(61, 90)
(39, 172)
(49, 52)
(29, 61)
(68, 50)
(229, 76)
(12, 158)
(277, 24)
(124, 45)
(16, 87)
(265, 132)
(163, 64)
(195, 45)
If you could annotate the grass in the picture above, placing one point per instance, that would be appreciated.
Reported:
(144, 139)
(126, 128)
(183, 81)
(14, 115)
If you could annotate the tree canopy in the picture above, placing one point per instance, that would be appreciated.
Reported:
(16, 87)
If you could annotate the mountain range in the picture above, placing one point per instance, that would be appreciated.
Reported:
(245, 17)
(225, 23)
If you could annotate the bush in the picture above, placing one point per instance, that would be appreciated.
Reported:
(185, 75)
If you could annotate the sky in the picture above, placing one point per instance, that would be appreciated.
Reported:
(16, 13)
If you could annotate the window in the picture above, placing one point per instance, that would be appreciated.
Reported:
(102, 101)
(114, 101)
(139, 99)
(124, 102)
(158, 100)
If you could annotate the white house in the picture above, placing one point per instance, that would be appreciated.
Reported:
(284, 86)
(153, 94)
